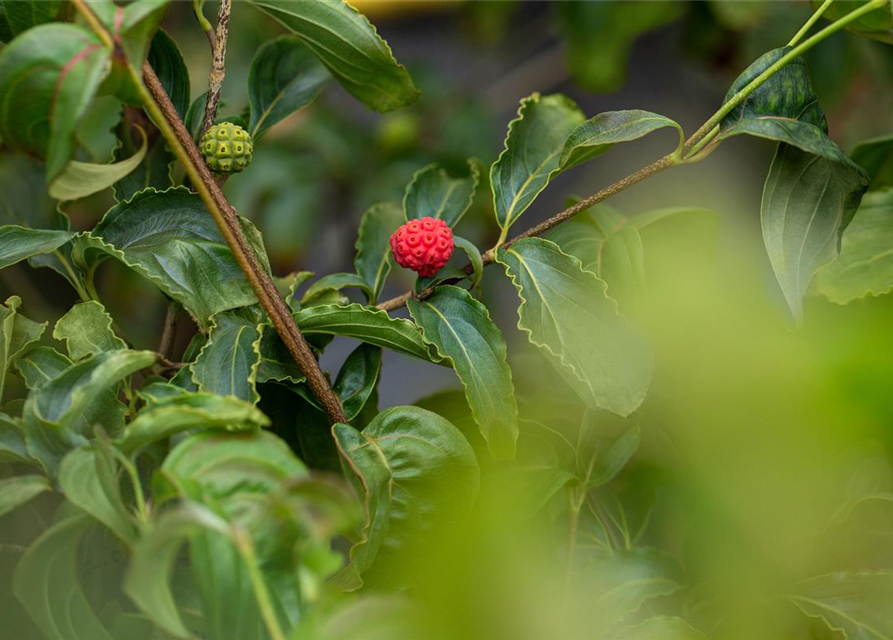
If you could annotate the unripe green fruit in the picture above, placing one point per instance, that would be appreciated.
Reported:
(227, 148)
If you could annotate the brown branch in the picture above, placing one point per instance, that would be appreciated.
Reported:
(225, 216)
(218, 65)
(490, 256)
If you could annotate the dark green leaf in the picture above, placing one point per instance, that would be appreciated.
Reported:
(853, 603)
(348, 45)
(567, 314)
(12, 442)
(228, 363)
(808, 201)
(18, 490)
(171, 69)
(46, 583)
(16, 17)
(418, 473)
(276, 362)
(18, 243)
(865, 264)
(461, 330)
(357, 379)
(87, 330)
(877, 24)
(533, 149)
(48, 78)
(285, 77)
(373, 261)
(369, 325)
(434, 192)
(876, 157)
(595, 136)
(334, 282)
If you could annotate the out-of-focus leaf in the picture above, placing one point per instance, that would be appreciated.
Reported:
(19, 243)
(12, 442)
(865, 263)
(595, 136)
(81, 179)
(876, 157)
(461, 330)
(16, 17)
(434, 192)
(18, 490)
(852, 603)
(348, 45)
(567, 314)
(134, 24)
(40, 365)
(373, 261)
(877, 24)
(228, 363)
(357, 378)
(17, 333)
(532, 154)
(284, 78)
(46, 583)
(417, 473)
(664, 627)
(86, 329)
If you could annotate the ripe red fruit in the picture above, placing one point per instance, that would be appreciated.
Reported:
(423, 245)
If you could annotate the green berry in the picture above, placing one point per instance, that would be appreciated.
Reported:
(227, 148)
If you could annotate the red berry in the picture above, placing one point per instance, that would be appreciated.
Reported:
(423, 245)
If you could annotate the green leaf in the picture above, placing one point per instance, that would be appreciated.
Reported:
(169, 238)
(865, 264)
(48, 78)
(87, 330)
(373, 261)
(284, 78)
(153, 561)
(461, 330)
(276, 362)
(17, 333)
(418, 474)
(46, 583)
(567, 314)
(877, 24)
(662, 627)
(876, 157)
(228, 363)
(171, 69)
(357, 379)
(855, 604)
(83, 484)
(808, 201)
(188, 411)
(348, 45)
(595, 136)
(63, 412)
(133, 25)
(608, 463)
(372, 326)
(12, 442)
(533, 149)
(16, 17)
(81, 179)
(434, 192)
(18, 490)
(40, 365)
(19, 243)
(335, 282)
(598, 37)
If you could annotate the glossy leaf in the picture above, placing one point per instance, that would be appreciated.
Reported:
(82, 483)
(434, 192)
(369, 325)
(876, 157)
(348, 45)
(373, 261)
(532, 154)
(46, 583)
(169, 238)
(276, 362)
(461, 330)
(86, 329)
(567, 314)
(357, 379)
(228, 363)
(852, 603)
(19, 490)
(595, 136)
(16, 17)
(284, 78)
(48, 78)
(417, 473)
(865, 264)
(19, 243)
(171, 69)
(185, 412)
(808, 201)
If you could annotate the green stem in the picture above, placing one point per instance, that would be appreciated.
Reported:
(75, 281)
(261, 594)
(812, 20)
(772, 69)
(141, 508)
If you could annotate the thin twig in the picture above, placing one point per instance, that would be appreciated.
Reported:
(169, 332)
(218, 66)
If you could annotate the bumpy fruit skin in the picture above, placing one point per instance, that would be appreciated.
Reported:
(227, 148)
(423, 245)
